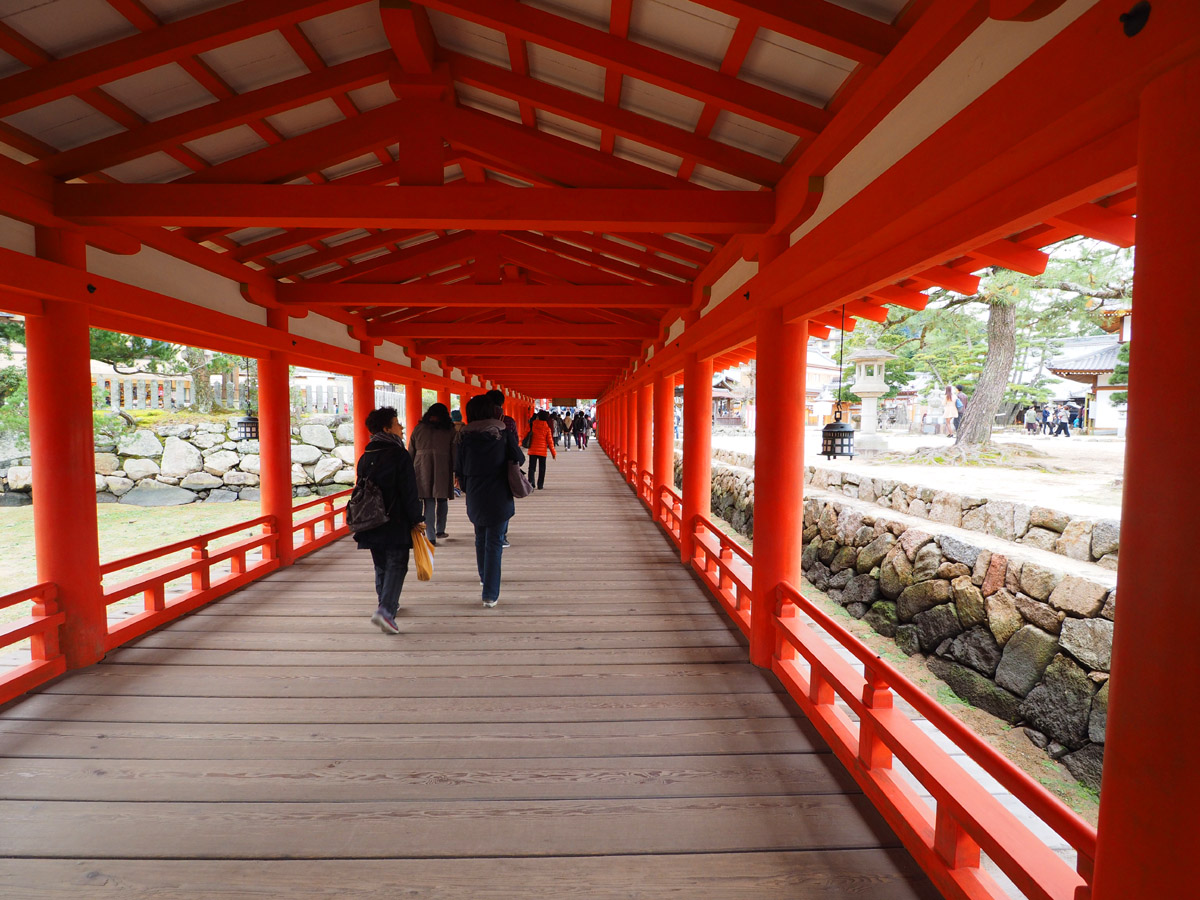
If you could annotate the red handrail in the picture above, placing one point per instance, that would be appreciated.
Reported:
(41, 627)
(158, 608)
(967, 817)
(330, 530)
(966, 820)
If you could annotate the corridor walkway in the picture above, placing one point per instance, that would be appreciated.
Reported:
(598, 734)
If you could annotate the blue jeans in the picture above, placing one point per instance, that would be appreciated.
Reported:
(489, 547)
(391, 566)
(435, 516)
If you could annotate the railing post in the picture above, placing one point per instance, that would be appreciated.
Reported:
(697, 448)
(872, 752)
(645, 424)
(62, 451)
(778, 462)
(202, 577)
(1151, 797)
(44, 644)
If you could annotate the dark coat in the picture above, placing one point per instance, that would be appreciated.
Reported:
(390, 467)
(433, 458)
(484, 452)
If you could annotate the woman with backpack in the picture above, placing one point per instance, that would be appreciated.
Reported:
(485, 449)
(387, 467)
(541, 442)
(432, 448)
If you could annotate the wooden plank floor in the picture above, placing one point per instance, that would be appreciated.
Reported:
(598, 734)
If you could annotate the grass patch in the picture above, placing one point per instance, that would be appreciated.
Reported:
(1004, 456)
(947, 697)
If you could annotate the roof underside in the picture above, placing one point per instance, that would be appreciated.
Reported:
(704, 102)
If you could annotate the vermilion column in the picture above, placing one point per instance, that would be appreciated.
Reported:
(364, 401)
(779, 468)
(275, 439)
(664, 434)
(63, 454)
(412, 406)
(1151, 784)
(645, 420)
(697, 447)
(443, 397)
(631, 417)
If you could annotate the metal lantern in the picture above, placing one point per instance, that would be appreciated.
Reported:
(837, 438)
(248, 428)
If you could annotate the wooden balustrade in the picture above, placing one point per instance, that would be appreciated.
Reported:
(727, 569)
(326, 520)
(158, 607)
(41, 628)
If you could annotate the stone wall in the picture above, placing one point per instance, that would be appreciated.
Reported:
(1030, 645)
(172, 465)
(1077, 537)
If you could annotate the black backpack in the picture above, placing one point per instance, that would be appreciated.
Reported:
(365, 509)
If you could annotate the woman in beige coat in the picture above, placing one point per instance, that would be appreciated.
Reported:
(432, 447)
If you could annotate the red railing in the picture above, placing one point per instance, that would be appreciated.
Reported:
(311, 539)
(645, 487)
(41, 628)
(668, 512)
(963, 820)
(726, 568)
(945, 839)
(158, 607)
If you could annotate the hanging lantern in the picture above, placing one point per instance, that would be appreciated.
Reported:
(248, 428)
(837, 438)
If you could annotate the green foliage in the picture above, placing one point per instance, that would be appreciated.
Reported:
(130, 355)
(1120, 375)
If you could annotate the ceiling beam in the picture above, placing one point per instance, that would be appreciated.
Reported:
(151, 49)
(423, 207)
(485, 295)
(819, 23)
(214, 117)
(642, 62)
(598, 114)
(497, 351)
(497, 331)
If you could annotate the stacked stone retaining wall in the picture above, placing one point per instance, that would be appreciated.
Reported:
(1026, 642)
(173, 465)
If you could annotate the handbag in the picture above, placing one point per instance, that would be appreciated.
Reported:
(517, 482)
(422, 553)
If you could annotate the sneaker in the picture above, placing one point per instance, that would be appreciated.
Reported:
(385, 621)
(506, 543)
(442, 534)
(488, 604)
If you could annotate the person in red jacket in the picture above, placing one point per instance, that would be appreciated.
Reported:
(541, 442)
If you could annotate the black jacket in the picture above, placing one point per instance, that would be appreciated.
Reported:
(390, 466)
(484, 452)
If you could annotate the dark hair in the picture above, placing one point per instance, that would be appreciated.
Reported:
(480, 407)
(496, 396)
(381, 419)
(543, 415)
(438, 416)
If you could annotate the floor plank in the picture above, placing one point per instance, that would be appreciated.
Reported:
(598, 734)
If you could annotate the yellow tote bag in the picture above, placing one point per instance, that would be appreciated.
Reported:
(423, 553)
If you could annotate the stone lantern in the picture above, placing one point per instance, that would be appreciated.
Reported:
(869, 384)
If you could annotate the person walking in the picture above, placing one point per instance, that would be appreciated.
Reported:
(485, 448)
(497, 398)
(1046, 419)
(960, 405)
(1062, 421)
(578, 427)
(389, 466)
(432, 448)
(949, 410)
(541, 441)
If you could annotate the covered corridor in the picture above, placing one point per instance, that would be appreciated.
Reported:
(601, 727)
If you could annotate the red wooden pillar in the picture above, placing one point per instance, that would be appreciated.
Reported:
(631, 418)
(364, 401)
(697, 448)
(412, 406)
(275, 440)
(443, 397)
(61, 447)
(645, 420)
(664, 435)
(779, 463)
(1151, 785)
